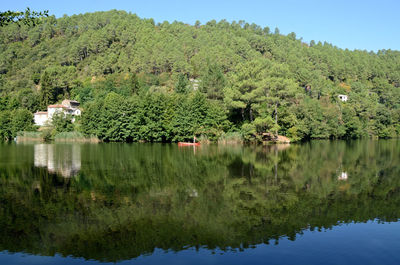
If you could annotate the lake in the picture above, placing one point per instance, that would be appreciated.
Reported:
(320, 202)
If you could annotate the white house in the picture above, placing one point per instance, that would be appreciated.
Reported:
(343, 97)
(53, 109)
(195, 83)
(71, 107)
(40, 118)
(343, 176)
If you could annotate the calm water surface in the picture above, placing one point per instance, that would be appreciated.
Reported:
(323, 202)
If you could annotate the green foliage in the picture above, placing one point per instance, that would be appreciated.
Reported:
(294, 134)
(155, 117)
(22, 120)
(73, 137)
(11, 122)
(266, 124)
(231, 138)
(249, 131)
(5, 125)
(28, 17)
(213, 81)
(245, 75)
(62, 123)
(47, 96)
(182, 85)
(28, 99)
(30, 135)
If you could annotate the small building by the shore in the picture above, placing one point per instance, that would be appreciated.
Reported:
(343, 98)
(40, 118)
(343, 176)
(71, 107)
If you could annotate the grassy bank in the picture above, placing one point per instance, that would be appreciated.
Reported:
(45, 135)
(30, 136)
(231, 138)
(74, 137)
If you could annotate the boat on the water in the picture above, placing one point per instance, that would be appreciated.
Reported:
(188, 144)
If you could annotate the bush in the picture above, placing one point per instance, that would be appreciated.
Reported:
(29, 136)
(249, 132)
(74, 137)
(294, 134)
(62, 123)
(231, 138)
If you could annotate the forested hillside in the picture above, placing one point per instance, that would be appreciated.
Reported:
(137, 80)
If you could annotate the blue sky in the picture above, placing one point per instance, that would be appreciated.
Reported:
(352, 24)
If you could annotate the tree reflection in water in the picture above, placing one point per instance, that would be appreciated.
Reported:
(125, 200)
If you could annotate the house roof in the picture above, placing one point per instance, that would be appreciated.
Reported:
(56, 106)
(41, 113)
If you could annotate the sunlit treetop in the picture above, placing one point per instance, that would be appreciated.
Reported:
(28, 17)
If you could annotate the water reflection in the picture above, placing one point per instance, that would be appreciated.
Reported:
(64, 160)
(343, 176)
(129, 199)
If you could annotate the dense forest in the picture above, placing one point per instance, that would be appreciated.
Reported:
(141, 81)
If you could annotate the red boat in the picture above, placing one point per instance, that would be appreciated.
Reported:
(188, 144)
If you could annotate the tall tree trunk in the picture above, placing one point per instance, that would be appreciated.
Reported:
(242, 111)
(251, 114)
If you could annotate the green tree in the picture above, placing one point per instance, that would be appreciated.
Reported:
(28, 17)
(22, 120)
(277, 91)
(46, 91)
(182, 85)
(62, 122)
(246, 81)
(213, 82)
(5, 125)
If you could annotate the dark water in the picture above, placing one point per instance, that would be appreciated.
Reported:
(315, 203)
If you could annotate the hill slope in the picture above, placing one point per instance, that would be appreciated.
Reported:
(249, 79)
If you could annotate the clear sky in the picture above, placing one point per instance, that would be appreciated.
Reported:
(352, 24)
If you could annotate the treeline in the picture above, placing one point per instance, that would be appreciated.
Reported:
(14, 121)
(154, 117)
(249, 79)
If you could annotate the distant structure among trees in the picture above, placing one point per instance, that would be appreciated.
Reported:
(67, 107)
(343, 97)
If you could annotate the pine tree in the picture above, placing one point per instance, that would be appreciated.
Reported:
(46, 91)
